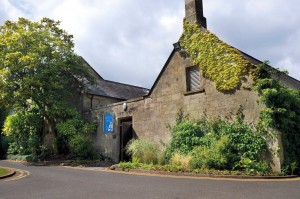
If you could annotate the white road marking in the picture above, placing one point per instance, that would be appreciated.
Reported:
(19, 175)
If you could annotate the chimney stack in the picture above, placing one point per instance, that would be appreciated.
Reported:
(194, 12)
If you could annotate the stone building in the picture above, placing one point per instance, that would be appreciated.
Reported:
(104, 92)
(179, 86)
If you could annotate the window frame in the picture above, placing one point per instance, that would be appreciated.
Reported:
(189, 71)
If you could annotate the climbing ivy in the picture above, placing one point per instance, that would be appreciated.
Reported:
(282, 110)
(227, 67)
(218, 61)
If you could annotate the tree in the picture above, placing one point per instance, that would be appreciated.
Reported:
(39, 70)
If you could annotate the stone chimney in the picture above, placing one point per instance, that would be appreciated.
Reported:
(194, 12)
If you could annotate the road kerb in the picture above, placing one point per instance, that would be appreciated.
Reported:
(11, 173)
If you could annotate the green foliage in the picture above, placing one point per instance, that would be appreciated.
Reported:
(81, 147)
(260, 71)
(40, 79)
(38, 65)
(207, 144)
(179, 169)
(73, 128)
(216, 156)
(185, 136)
(281, 112)
(25, 131)
(294, 167)
(144, 151)
(218, 61)
(252, 167)
(217, 143)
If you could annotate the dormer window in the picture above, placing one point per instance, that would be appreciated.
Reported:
(192, 78)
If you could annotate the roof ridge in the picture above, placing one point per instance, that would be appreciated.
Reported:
(125, 84)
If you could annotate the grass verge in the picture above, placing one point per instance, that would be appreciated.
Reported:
(3, 171)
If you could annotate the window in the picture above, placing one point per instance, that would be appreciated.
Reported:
(193, 78)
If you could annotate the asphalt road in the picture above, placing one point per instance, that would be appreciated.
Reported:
(43, 182)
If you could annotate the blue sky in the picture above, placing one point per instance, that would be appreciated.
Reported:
(130, 40)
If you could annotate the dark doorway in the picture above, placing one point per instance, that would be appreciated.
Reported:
(126, 134)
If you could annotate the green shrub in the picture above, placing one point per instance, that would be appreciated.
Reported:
(144, 151)
(216, 156)
(246, 142)
(81, 147)
(70, 129)
(253, 167)
(281, 112)
(217, 143)
(24, 129)
(185, 136)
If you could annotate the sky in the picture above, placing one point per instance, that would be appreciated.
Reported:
(129, 41)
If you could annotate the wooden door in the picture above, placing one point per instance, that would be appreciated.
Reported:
(126, 135)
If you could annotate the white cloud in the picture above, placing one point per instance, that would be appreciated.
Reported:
(291, 65)
(169, 22)
(130, 40)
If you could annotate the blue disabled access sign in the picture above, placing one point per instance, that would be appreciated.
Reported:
(108, 123)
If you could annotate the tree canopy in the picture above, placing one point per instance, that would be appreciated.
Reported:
(38, 65)
(41, 77)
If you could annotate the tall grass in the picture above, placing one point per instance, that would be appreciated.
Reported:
(178, 159)
(144, 151)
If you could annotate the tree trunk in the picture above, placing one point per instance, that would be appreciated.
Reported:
(49, 137)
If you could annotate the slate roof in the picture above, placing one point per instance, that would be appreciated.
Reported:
(112, 89)
(116, 90)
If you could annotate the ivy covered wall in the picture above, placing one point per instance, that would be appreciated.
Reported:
(227, 68)
(217, 61)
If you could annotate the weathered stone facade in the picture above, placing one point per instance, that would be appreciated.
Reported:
(153, 114)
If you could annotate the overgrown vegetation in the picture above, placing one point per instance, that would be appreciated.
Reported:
(218, 144)
(227, 67)
(40, 79)
(74, 136)
(282, 111)
(218, 61)
(145, 151)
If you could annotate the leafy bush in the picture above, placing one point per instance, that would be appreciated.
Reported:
(144, 151)
(24, 129)
(216, 156)
(217, 143)
(253, 167)
(72, 128)
(81, 147)
(185, 136)
(282, 110)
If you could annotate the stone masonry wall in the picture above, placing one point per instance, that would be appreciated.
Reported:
(153, 114)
